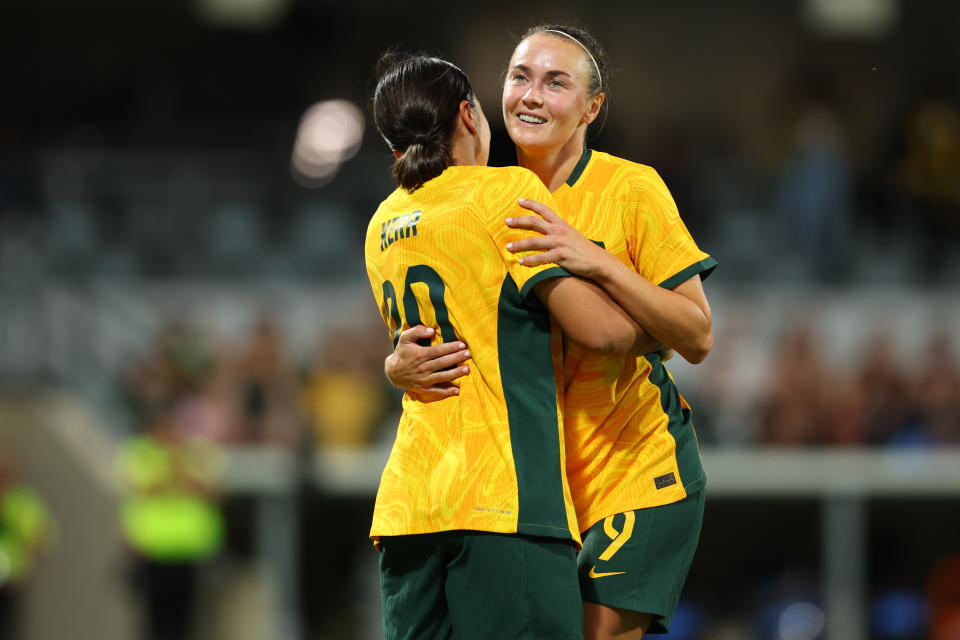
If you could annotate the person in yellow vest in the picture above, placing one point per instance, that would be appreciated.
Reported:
(473, 515)
(27, 531)
(633, 462)
(170, 519)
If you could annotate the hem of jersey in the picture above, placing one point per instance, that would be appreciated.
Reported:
(695, 485)
(552, 272)
(703, 267)
(581, 165)
(543, 526)
(658, 610)
(549, 531)
(690, 488)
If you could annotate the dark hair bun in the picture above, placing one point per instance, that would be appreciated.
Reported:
(415, 106)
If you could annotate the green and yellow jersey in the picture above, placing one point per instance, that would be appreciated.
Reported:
(491, 458)
(629, 434)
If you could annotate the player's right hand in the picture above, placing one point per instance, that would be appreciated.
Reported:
(427, 373)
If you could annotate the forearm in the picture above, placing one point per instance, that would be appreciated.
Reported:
(589, 317)
(668, 316)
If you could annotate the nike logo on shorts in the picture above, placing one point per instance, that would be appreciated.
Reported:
(593, 573)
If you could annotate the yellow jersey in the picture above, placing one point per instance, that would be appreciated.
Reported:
(491, 458)
(629, 433)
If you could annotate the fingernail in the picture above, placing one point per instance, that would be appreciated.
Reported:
(464, 369)
(509, 245)
(461, 346)
(520, 260)
(509, 220)
(466, 353)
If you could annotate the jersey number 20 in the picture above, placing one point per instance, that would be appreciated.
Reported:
(420, 273)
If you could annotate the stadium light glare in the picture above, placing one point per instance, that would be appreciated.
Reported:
(329, 134)
(852, 18)
(242, 14)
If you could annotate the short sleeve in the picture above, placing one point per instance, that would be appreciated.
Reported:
(524, 185)
(661, 248)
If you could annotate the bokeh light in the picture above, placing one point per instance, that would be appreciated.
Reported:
(330, 133)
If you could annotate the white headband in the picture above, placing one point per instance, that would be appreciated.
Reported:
(595, 65)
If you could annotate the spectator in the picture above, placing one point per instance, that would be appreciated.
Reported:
(930, 174)
(814, 202)
(170, 519)
(888, 399)
(938, 391)
(262, 389)
(27, 531)
(791, 411)
(345, 396)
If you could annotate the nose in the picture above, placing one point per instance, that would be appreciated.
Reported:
(532, 96)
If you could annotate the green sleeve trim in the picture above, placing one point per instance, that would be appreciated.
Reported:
(705, 267)
(552, 272)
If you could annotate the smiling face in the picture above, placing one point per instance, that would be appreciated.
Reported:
(546, 99)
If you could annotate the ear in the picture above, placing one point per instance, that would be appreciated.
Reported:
(468, 116)
(593, 108)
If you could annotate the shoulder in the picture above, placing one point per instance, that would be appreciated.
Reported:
(382, 214)
(619, 178)
(626, 172)
(509, 177)
(498, 189)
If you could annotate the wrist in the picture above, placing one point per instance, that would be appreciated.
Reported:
(607, 269)
(387, 368)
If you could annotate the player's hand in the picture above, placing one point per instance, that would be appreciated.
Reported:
(559, 243)
(427, 373)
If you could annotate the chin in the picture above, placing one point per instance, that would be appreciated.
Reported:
(526, 138)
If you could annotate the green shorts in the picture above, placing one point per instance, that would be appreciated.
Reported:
(471, 584)
(638, 560)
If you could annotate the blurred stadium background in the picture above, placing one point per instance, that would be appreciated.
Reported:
(184, 187)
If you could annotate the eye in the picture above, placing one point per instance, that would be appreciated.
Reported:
(556, 84)
(518, 77)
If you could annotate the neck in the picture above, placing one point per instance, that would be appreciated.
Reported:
(462, 157)
(552, 165)
(463, 150)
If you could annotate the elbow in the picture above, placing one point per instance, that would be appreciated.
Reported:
(698, 351)
(611, 340)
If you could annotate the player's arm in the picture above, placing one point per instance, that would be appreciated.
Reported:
(588, 316)
(426, 372)
(679, 318)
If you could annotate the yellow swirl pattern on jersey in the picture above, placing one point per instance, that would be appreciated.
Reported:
(492, 458)
(629, 433)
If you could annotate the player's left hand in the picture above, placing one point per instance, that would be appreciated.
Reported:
(559, 243)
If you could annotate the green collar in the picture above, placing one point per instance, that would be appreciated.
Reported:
(581, 165)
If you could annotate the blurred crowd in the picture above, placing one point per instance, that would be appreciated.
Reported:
(805, 398)
(881, 402)
(255, 393)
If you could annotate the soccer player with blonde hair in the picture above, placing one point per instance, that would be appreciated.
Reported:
(473, 516)
(632, 458)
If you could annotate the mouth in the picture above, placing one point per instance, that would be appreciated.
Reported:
(530, 119)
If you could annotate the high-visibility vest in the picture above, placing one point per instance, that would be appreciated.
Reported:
(163, 517)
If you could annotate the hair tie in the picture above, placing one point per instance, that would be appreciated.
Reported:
(582, 46)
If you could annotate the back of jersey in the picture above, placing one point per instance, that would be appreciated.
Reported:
(491, 458)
